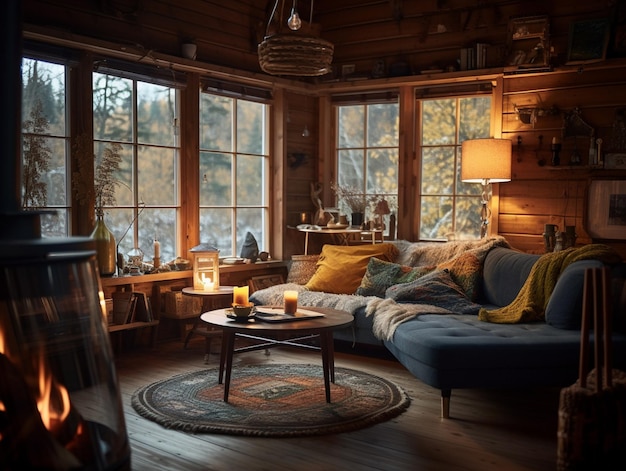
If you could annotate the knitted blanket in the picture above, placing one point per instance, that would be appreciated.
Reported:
(532, 299)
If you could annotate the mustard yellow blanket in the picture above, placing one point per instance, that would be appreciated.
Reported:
(532, 299)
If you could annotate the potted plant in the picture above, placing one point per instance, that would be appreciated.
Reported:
(352, 198)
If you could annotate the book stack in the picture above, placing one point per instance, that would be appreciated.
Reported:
(474, 57)
(131, 306)
(481, 55)
(468, 58)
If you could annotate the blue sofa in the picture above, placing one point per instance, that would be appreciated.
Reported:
(453, 351)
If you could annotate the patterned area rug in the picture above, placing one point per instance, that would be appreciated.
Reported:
(271, 401)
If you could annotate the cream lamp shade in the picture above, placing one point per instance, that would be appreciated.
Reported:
(486, 160)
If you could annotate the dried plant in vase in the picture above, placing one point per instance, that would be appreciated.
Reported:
(104, 180)
(102, 192)
(350, 197)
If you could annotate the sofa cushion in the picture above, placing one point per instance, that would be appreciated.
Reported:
(564, 309)
(504, 274)
(340, 268)
(380, 275)
(436, 288)
(302, 268)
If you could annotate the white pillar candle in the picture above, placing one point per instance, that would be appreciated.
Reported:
(291, 302)
(157, 249)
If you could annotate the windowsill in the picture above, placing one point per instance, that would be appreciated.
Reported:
(181, 275)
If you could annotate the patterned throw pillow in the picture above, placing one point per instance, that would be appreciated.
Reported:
(465, 271)
(380, 275)
(437, 288)
(302, 268)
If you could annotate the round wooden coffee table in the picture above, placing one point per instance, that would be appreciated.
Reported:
(272, 334)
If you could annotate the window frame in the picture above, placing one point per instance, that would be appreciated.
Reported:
(460, 190)
(237, 235)
(367, 100)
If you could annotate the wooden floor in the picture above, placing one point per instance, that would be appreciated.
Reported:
(488, 430)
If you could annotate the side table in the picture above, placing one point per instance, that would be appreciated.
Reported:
(211, 300)
(343, 233)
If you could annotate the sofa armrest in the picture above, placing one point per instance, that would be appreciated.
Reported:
(564, 308)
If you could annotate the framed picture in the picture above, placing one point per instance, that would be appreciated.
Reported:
(527, 44)
(588, 41)
(606, 211)
(615, 161)
(264, 281)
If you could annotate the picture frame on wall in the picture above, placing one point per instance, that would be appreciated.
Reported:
(588, 41)
(615, 160)
(606, 210)
(528, 42)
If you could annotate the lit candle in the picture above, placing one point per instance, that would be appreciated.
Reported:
(157, 249)
(207, 283)
(291, 302)
(240, 295)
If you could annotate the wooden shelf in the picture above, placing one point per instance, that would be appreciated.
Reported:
(132, 279)
(132, 325)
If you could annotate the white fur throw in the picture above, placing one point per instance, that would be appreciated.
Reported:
(388, 314)
(273, 296)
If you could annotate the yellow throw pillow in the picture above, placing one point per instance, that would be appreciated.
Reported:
(340, 268)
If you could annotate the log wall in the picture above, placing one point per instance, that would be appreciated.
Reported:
(423, 35)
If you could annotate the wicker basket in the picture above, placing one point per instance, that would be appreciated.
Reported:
(295, 54)
(302, 268)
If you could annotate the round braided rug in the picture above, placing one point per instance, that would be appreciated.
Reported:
(271, 401)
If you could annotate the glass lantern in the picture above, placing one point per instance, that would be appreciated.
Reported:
(206, 268)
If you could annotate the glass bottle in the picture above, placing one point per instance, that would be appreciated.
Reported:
(105, 246)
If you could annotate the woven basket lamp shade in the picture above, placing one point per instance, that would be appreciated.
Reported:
(293, 51)
(295, 54)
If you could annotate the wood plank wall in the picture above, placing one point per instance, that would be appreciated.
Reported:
(423, 34)
(540, 193)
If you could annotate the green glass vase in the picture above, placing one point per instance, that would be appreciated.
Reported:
(105, 247)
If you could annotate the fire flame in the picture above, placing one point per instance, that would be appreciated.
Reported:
(50, 412)
(53, 399)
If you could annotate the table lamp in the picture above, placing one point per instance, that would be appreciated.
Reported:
(486, 161)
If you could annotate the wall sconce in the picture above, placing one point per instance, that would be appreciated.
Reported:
(486, 161)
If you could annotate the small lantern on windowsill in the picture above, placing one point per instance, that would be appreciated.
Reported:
(206, 268)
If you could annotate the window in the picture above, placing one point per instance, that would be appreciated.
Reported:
(44, 144)
(448, 206)
(234, 172)
(367, 153)
(140, 118)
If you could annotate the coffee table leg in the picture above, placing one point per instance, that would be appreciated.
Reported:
(223, 352)
(230, 346)
(327, 360)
